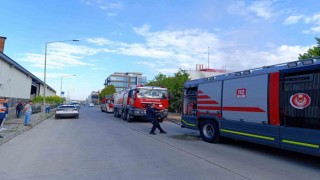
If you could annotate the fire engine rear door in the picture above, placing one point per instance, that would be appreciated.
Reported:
(300, 109)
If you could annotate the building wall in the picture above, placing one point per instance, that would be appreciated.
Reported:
(125, 80)
(13, 82)
(48, 92)
(203, 74)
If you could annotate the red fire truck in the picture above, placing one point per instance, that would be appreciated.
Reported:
(132, 103)
(275, 105)
(107, 104)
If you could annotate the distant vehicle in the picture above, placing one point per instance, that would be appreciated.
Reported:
(64, 111)
(93, 98)
(91, 105)
(132, 103)
(76, 104)
(107, 105)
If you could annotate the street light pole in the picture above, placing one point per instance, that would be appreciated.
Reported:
(44, 80)
(45, 72)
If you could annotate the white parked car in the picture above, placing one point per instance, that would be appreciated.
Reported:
(67, 111)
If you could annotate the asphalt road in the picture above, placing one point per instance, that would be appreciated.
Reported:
(100, 146)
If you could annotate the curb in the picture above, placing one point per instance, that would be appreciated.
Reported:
(12, 135)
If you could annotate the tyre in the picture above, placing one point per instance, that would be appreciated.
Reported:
(114, 113)
(129, 118)
(118, 114)
(209, 131)
(77, 117)
(124, 115)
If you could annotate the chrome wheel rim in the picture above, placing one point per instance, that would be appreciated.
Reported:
(208, 131)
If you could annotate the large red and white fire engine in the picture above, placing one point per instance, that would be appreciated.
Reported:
(276, 105)
(132, 103)
(107, 104)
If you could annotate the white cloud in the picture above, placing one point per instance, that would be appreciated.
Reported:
(169, 50)
(98, 41)
(262, 9)
(315, 19)
(105, 4)
(246, 59)
(59, 56)
(312, 30)
(293, 19)
(143, 30)
(53, 75)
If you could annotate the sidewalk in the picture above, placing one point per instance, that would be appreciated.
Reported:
(174, 117)
(16, 126)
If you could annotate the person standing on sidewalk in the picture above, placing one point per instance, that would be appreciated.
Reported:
(2, 112)
(152, 116)
(5, 103)
(19, 108)
(28, 111)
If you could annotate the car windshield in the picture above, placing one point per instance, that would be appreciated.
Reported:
(152, 93)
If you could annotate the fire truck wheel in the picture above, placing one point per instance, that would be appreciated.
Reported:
(209, 131)
(124, 116)
(129, 118)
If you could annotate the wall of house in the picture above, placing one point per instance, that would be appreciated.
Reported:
(14, 83)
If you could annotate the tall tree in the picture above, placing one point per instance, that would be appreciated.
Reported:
(312, 52)
(108, 90)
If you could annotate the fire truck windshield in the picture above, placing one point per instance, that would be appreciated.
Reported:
(152, 93)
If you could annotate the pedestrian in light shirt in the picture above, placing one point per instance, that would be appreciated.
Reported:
(28, 111)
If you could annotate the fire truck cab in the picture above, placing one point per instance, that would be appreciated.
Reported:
(132, 103)
(275, 105)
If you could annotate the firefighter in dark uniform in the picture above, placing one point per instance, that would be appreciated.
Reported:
(152, 112)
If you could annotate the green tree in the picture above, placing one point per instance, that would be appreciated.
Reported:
(312, 52)
(49, 99)
(108, 90)
(174, 84)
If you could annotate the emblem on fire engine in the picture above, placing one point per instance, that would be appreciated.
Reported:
(300, 100)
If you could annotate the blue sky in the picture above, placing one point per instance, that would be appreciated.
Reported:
(152, 36)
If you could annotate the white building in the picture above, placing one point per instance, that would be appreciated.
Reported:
(16, 82)
(202, 72)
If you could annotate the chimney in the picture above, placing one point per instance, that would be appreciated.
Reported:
(2, 40)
